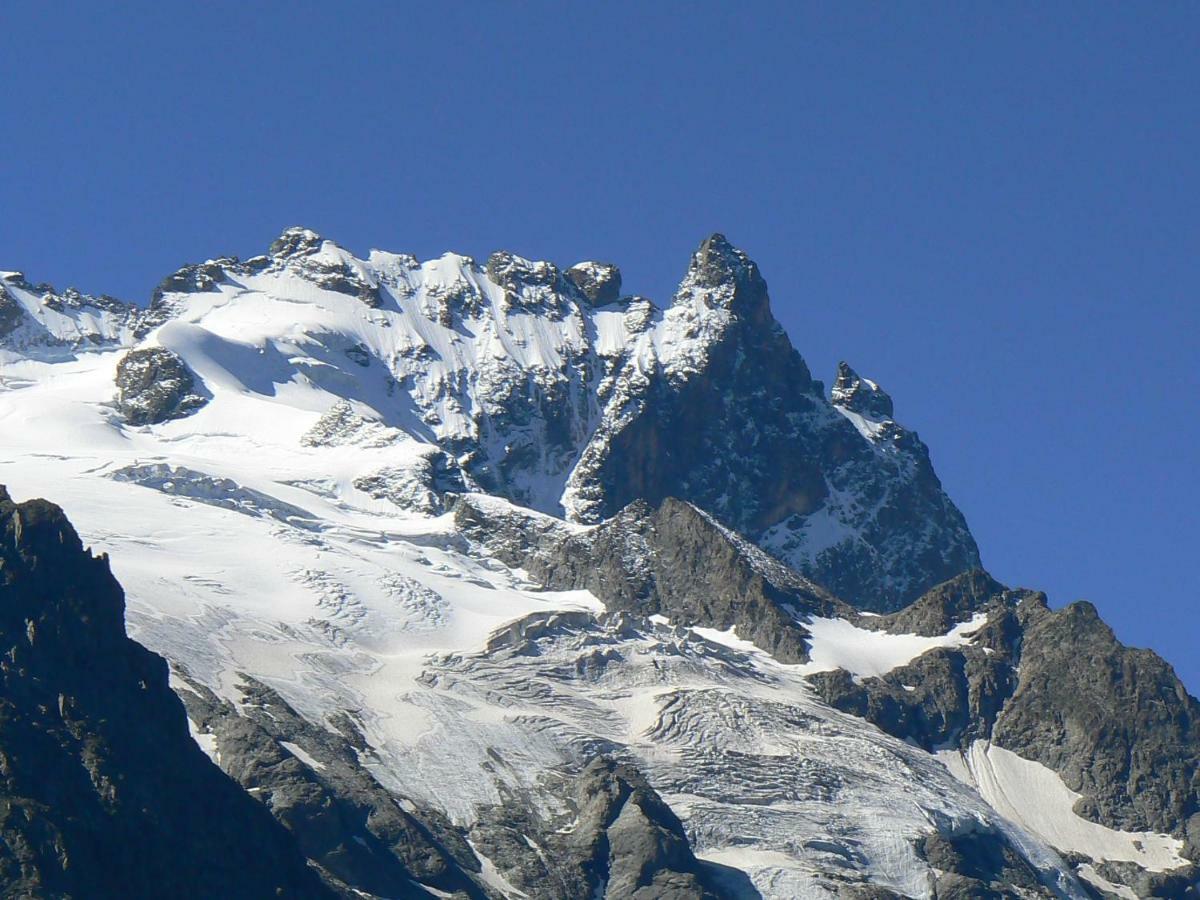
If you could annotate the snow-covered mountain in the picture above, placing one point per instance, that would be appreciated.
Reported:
(584, 592)
(554, 391)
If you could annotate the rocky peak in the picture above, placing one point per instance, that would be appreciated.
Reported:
(722, 277)
(860, 395)
(190, 279)
(296, 241)
(600, 282)
(717, 262)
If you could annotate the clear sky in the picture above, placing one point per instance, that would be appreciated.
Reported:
(991, 209)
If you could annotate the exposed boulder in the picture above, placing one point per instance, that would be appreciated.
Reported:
(155, 385)
(599, 282)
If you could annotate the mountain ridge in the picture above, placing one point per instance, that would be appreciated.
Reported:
(534, 393)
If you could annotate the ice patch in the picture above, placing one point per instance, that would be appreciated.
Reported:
(838, 644)
(1035, 798)
(301, 754)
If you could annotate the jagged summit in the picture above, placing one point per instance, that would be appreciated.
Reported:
(296, 241)
(716, 261)
(861, 395)
(532, 383)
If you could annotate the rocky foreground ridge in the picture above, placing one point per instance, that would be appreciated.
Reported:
(490, 580)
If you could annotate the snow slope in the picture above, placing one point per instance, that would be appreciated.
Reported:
(1035, 798)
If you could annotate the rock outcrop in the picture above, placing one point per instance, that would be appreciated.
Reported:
(367, 841)
(103, 793)
(621, 841)
(154, 385)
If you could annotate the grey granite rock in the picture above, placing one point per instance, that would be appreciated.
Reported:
(599, 282)
(675, 561)
(980, 864)
(1114, 721)
(622, 841)
(154, 386)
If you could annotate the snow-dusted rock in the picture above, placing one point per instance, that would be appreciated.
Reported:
(155, 385)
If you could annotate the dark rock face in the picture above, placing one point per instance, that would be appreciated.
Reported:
(855, 393)
(675, 561)
(979, 865)
(190, 279)
(312, 780)
(1114, 721)
(678, 562)
(1055, 687)
(599, 282)
(154, 385)
(421, 485)
(707, 438)
(625, 842)
(103, 793)
(11, 313)
(533, 287)
(947, 696)
(744, 432)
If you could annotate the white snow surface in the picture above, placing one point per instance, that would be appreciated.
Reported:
(1035, 798)
(838, 644)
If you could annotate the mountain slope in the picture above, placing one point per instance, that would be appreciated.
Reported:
(487, 579)
(103, 793)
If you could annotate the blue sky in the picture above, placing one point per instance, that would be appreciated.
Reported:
(991, 209)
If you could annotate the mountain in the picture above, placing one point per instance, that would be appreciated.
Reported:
(494, 581)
